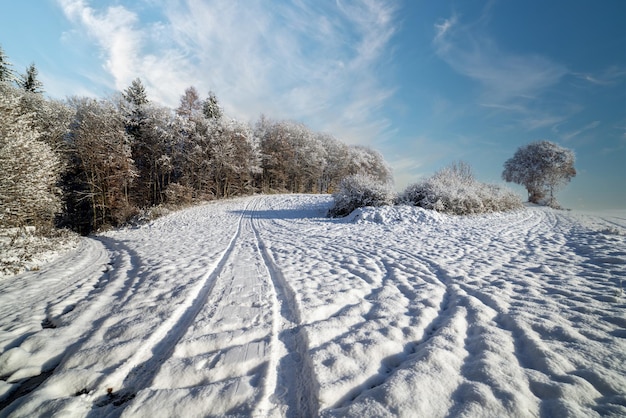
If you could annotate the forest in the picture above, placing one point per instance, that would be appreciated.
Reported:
(87, 163)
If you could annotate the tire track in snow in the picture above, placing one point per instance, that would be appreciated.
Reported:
(394, 362)
(454, 298)
(138, 371)
(86, 319)
(294, 383)
(76, 272)
(378, 300)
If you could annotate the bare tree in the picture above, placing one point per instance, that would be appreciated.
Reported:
(189, 103)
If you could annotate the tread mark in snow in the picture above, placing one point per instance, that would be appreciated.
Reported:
(26, 387)
(140, 369)
(296, 383)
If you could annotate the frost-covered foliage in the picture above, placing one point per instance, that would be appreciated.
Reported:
(542, 167)
(454, 190)
(29, 167)
(112, 158)
(29, 81)
(299, 160)
(101, 165)
(23, 249)
(6, 72)
(359, 191)
(369, 162)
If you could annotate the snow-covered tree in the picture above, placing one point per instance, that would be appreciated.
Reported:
(369, 162)
(6, 72)
(135, 100)
(29, 81)
(29, 167)
(211, 107)
(190, 103)
(235, 159)
(276, 153)
(542, 167)
(135, 94)
(337, 163)
(153, 154)
(296, 159)
(28, 185)
(152, 130)
(50, 118)
(101, 163)
(359, 191)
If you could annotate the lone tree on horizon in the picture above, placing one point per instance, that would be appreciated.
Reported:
(542, 167)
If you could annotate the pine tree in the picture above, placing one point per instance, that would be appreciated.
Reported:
(6, 73)
(135, 94)
(211, 107)
(29, 80)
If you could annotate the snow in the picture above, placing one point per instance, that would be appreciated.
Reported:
(23, 249)
(262, 306)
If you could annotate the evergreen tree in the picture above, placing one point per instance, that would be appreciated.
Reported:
(136, 100)
(6, 73)
(211, 107)
(29, 80)
(135, 94)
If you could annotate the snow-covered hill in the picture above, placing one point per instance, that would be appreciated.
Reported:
(263, 307)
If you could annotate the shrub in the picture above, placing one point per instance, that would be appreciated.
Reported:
(454, 190)
(178, 194)
(359, 191)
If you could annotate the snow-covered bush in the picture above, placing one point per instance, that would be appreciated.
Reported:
(454, 190)
(359, 191)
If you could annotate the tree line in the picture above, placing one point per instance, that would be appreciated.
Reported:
(84, 163)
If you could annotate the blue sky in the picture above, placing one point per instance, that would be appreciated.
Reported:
(424, 82)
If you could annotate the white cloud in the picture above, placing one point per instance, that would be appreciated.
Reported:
(316, 62)
(115, 33)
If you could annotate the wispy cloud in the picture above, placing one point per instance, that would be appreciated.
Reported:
(314, 61)
(608, 77)
(506, 77)
(567, 136)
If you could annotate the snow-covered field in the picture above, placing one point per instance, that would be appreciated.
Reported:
(263, 307)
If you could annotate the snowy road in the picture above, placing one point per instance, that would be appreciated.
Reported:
(263, 307)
